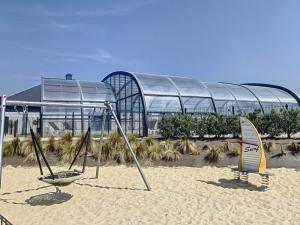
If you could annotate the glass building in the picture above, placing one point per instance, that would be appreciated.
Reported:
(140, 101)
(143, 99)
(57, 120)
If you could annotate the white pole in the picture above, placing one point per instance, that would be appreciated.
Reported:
(101, 142)
(58, 104)
(2, 118)
(108, 105)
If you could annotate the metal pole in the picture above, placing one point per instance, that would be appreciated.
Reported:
(36, 151)
(101, 142)
(108, 105)
(3, 102)
(79, 105)
(73, 124)
(77, 150)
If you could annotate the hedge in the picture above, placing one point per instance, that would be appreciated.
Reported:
(273, 124)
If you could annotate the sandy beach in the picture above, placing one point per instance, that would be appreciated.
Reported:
(180, 195)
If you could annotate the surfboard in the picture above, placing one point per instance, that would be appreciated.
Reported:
(252, 156)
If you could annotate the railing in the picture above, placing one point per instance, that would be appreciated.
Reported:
(4, 221)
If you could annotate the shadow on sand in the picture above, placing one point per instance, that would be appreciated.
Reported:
(108, 187)
(234, 184)
(48, 199)
(26, 190)
(12, 201)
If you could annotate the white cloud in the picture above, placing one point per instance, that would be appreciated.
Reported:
(98, 56)
(120, 9)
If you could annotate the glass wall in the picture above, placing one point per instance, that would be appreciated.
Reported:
(130, 105)
(58, 120)
(197, 105)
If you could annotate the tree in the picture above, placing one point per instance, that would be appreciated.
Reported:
(290, 121)
(272, 123)
(166, 127)
(233, 124)
(201, 127)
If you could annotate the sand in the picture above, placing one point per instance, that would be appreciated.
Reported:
(180, 195)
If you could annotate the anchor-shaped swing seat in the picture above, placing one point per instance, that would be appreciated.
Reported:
(61, 178)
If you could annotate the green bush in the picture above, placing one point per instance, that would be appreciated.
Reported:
(166, 127)
(273, 124)
(177, 126)
(290, 121)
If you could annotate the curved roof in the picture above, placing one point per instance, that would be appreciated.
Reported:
(155, 84)
(241, 93)
(283, 93)
(54, 89)
(230, 94)
(190, 87)
(270, 94)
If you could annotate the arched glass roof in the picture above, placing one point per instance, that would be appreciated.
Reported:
(263, 94)
(240, 92)
(54, 89)
(195, 96)
(155, 85)
(190, 87)
(268, 94)
(296, 91)
(219, 92)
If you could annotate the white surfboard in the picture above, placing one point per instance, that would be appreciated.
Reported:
(252, 157)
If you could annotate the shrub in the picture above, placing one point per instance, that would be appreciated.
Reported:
(233, 124)
(233, 153)
(186, 146)
(279, 155)
(268, 146)
(294, 148)
(155, 153)
(142, 151)
(206, 147)
(171, 155)
(149, 141)
(51, 145)
(166, 127)
(201, 127)
(13, 147)
(290, 121)
(213, 156)
(273, 124)
(27, 149)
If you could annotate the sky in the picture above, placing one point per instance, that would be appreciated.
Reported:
(234, 41)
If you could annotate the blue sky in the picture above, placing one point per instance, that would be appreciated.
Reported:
(210, 40)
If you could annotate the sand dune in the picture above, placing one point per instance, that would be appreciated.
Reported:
(180, 195)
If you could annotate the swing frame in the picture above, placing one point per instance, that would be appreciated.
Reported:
(107, 109)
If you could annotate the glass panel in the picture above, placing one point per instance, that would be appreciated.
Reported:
(248, 106)
(154, 84)
(219, 92)
(197, 105)
(130, 107)
(283, 96)
(60, 90)
(96, 92)
(75, 91)
(226, 107)
(268, 106)
(162, 104)
(263, 94)
(240, 93)
(190, 87)
(296, 91)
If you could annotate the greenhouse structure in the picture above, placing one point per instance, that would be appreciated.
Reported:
(140, 101)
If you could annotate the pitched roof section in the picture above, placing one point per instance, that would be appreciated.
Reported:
(32, 94)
